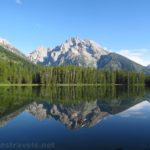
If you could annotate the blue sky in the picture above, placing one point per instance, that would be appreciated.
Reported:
(122, 26)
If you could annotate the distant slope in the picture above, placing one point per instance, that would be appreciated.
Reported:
(7, 55)
(114, 61)
(148, 67)
(15, 69)
(7, 45)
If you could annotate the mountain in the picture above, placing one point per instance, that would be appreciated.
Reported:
(8, 46)
(73, 116)
(76, 116)
(148, 66)
(73, 52)
(10, 53)
(38, 55)
(86, 53)
(114, 61)
(14, 67)
(7, 55)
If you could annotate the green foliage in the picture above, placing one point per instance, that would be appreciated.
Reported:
(110, 97)
(17, 70)
(13, 73)
(147, 80)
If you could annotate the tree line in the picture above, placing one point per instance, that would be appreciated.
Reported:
(28, 73)
(15, 97)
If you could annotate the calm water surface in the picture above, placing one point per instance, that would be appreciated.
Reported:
(107, 118)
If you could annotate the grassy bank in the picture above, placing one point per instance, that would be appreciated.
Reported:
(20, 85)
(71, 85)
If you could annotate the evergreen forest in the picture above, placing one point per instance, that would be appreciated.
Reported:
(17, 70)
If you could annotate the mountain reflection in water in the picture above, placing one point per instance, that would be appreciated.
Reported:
(90, 108)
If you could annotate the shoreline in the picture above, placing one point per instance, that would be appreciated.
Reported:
(63, 85)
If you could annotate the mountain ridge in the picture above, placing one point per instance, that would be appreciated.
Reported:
(114, 61)
(77, 52)
(148, 66)
(85, 53)
(72, 52)
(8, 46)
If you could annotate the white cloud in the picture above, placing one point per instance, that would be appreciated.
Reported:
(136, 111)
(19, 2)
(140, 56)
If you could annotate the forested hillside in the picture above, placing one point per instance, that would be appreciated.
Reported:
(16, 70)
(7, 55)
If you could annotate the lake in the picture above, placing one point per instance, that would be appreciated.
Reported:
(83, 118)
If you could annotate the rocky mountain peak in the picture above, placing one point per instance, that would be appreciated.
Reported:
(73, 116)
(74, 40)
(77, 42)
(6, 44)
(38, 54)
(41, 49)
(74, 51)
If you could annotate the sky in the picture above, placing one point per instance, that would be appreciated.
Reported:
(121, 26)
